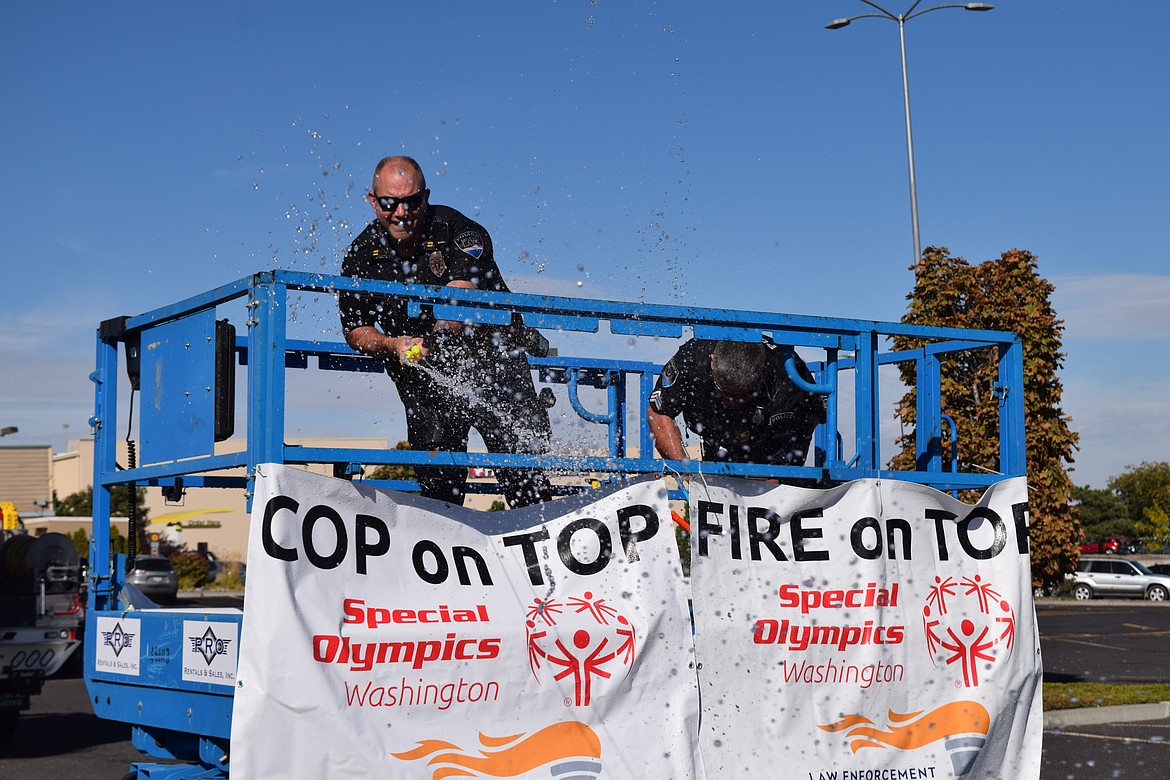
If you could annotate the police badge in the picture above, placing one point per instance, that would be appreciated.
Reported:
(438, 264)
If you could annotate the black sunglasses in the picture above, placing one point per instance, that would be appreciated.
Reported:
(390, 203)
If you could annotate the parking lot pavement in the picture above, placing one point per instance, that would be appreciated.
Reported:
(1115, 641)
(1107, 750)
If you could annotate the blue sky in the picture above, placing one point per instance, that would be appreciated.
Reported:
(734, 155)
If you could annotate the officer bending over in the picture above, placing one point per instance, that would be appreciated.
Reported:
(738, 398)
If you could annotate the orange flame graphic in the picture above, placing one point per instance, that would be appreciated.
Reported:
(912, 730)
(507, 756)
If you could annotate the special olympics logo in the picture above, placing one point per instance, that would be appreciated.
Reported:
(583, 638)
(968, 627)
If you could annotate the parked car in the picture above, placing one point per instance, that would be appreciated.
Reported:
(1118, 577)
(1102, 547)
(156, 577)
(1160, 568)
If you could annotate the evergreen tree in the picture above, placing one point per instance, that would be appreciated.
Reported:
(1103, 514)
(1004, 294)
(118, 543)
(80, 540)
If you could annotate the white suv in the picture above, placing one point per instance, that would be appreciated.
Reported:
(1117, 577)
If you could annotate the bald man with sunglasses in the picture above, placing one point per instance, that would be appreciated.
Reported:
(738, 398)
(479, 377)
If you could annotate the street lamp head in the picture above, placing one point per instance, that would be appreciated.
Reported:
(837, 24)
(979, 6)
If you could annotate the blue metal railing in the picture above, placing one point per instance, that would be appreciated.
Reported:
(268, 303)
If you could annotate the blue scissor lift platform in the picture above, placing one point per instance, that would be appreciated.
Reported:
(183, 359)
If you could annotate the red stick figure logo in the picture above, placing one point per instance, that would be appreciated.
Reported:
(967, 623)
(582, 638)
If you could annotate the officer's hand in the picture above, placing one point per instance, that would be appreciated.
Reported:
(411, 350)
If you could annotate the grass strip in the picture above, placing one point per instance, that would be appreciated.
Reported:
(1068, 696)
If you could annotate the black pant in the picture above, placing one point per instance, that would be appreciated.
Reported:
(475, 383)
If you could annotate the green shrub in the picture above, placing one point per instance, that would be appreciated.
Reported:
(192, 568)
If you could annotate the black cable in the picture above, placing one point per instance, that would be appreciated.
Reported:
(131, 492)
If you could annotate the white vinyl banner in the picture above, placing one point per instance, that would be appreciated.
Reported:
(388, 636)
(880, 630)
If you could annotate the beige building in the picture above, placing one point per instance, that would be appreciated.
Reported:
(216, 517)
(26, 478)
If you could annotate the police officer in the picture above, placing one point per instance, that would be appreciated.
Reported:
(738, 398)
(450, 377)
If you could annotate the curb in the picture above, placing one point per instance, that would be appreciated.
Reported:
(199, 593)
(1090, 716)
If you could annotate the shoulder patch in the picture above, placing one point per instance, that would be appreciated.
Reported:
(669, 373)
(470, 242)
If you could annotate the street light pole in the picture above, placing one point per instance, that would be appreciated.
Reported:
(909, 144)
(901, 19)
